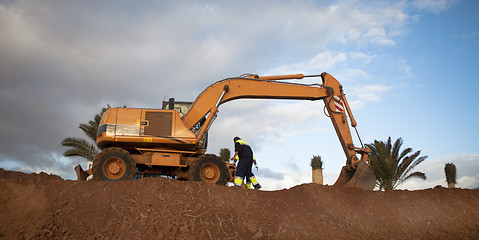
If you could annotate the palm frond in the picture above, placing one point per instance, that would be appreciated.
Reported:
(406, 162)
(79, 148)
(89, 130)
(396, 148)
(415, 163)
(392, 166)
(418, 175)
(405, 152)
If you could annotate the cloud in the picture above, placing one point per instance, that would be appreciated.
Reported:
(289, 179)
(468, 181)
(323, 60)
(378, 36)
(467, 166)
(51, 163)
(61, 62)
(367, 93)
(259, 121)
(403, 66)
(348, 70)
(434, 6)
(267, 173)
(331, 60)
(467, 174)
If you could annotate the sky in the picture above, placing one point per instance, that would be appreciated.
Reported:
(409, 70)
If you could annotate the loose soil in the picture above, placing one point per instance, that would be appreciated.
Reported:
(42, 206)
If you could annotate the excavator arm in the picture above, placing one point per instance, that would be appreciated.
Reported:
(355, 173)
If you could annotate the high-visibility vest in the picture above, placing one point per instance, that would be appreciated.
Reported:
(240, 141)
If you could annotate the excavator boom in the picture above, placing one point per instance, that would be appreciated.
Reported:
(355, 173)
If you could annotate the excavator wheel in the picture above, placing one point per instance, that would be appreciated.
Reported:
(113, 164)
(209, 168)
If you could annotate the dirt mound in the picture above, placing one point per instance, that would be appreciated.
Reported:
(42, 206)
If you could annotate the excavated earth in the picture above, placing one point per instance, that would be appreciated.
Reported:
(42, 206)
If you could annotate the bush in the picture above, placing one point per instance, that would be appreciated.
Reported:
(450, 170)
(316, 162)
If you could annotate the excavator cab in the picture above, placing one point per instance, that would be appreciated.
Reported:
(181, 107)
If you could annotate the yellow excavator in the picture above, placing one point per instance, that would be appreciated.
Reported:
(172, 141)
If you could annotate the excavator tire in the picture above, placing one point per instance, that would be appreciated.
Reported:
(209, 168)
(113, 164)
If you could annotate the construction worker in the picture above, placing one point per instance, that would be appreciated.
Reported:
(249, 184)
(244, 154)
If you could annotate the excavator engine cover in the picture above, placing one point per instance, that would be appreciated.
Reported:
(362, 177)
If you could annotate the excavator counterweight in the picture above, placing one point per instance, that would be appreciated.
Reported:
(172, 140)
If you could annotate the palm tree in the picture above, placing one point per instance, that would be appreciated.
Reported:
(80, 147)
(450, 170)
(317, 166)
(391, 166)
(225, 154)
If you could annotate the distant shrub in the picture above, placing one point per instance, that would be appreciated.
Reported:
(316, 162)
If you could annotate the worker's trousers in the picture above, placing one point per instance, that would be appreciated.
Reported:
(244, 170)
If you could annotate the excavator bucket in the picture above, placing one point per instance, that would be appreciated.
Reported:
(362, 177)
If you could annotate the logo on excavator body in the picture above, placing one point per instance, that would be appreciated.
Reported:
(338, 103)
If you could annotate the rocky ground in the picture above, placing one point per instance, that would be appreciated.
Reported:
(42, 206)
